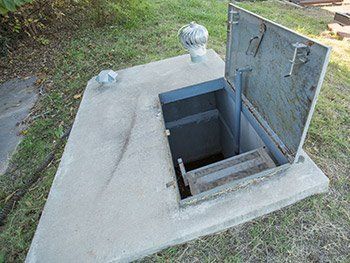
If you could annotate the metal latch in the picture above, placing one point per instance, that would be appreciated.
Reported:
(300, 56)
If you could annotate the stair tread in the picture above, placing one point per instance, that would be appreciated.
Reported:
(236, 167)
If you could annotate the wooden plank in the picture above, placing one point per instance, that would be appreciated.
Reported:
(342, 31)
(342, 18)
(315, 2)
(215, 167)
(234, 168)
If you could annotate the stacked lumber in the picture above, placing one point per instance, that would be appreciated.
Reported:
(341, 25)
(341, 31)
(342, 18)
(315, 2)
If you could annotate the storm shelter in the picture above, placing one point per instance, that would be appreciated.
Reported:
(252, 120)
(173, 150)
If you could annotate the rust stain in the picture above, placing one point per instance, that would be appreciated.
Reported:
(267, 131)
(309, 43)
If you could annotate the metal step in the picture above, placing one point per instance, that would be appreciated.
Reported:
(237, 167)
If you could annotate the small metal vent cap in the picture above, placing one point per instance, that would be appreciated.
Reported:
(107, 76)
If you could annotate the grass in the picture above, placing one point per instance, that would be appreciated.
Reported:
(314, 230)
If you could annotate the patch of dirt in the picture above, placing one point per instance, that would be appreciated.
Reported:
(32, 58)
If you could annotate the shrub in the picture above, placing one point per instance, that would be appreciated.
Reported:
(126, 12)
(19, 18)
(11, 5)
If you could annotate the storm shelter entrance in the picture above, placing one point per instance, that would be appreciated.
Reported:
(282, 73)
(200, 126)
(254, 118)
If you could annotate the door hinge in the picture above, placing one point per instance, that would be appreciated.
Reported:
(233, 17)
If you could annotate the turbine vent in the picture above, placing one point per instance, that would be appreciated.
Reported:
(194, 38)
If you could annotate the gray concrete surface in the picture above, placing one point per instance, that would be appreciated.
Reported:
(17, 97)
(109, 201)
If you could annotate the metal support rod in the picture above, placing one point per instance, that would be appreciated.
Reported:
(229, 40)
(238, 105)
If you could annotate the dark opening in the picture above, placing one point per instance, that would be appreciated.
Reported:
(200, 133)
(203, 162)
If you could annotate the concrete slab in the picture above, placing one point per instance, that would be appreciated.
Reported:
(17, 97)
(111, 200)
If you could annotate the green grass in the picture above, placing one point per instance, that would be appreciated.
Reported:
(314, 230)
